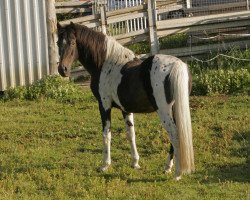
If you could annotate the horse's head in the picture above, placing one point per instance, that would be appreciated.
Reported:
(67, 48)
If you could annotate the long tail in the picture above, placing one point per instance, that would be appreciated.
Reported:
(179, 81)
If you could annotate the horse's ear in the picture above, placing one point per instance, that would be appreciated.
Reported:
(72, 25)
(59, 26)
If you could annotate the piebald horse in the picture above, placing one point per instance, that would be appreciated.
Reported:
(160, 83)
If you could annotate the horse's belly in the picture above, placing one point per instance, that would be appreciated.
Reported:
(133, 97)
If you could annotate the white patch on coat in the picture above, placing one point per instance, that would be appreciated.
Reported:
(169, 164)
(161, 67)
(106, 143)
(131, 137)
(64, 41)
(117, 56)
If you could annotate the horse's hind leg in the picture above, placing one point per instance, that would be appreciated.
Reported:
(170, 160)
(165, 113)
(129, 122)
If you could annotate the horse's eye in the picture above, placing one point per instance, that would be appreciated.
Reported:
(73, 43)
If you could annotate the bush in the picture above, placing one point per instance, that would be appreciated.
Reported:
(140, 47)
(50, 87)
(221, 82)
(223, 62)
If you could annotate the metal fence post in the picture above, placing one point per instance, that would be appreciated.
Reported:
(154, 45)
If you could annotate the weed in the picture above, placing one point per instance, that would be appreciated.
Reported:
(50, 87)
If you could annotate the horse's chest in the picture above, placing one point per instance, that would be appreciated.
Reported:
(110, 79)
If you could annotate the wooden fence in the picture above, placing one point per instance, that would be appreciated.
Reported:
(151, 28)
(229, 22)
(155, 29)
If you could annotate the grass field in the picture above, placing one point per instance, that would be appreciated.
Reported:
(51, 150)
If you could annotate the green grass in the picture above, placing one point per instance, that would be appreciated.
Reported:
(52, 150)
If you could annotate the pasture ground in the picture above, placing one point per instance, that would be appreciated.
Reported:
(51, 150)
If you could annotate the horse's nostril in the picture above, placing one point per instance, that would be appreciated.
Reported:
(65, 69)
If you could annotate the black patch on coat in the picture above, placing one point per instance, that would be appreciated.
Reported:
(129, 123)
(135, 91)
(171, 151)
(167, 88)
(125, 114)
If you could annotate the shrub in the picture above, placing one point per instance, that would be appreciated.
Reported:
(221, 82)
(49, 87)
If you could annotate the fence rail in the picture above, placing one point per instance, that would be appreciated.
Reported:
(74, 7)
(134, 24)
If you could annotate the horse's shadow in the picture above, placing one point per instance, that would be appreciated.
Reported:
(111, 176)
(219, 173)
(93, 151)
(233, 172)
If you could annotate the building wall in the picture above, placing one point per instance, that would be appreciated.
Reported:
(23, 42)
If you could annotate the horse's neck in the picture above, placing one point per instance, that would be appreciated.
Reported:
(117, 54)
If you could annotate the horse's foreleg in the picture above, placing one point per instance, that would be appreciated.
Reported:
(129, 122)
(106, 123)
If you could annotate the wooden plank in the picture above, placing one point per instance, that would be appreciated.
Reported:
(73, 10)
(218, 7)
(133, 40)
(52, 36)
(203, 27)
(196, 50)
(92, 24)
(154, 45)
(87, 19)
(139, 8)
(201, 20)
(73, 4)
(126, 17)
(165, 3)
(103, 19)
(168, 9)
(131, 34)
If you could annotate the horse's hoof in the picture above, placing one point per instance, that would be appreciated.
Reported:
(136, 166)
(104, 168)
(177, 178)
(168, 170)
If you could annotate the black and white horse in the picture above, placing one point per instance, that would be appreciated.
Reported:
(160, 83)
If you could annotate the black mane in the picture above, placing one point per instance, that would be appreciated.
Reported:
(91, 45)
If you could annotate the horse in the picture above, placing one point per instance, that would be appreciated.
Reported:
(160, 83)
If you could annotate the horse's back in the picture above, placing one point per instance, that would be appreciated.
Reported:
(131, 86)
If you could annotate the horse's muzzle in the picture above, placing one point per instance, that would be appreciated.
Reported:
(62, 71)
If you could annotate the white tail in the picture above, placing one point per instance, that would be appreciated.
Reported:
(179, 80)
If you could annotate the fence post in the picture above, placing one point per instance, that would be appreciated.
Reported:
(189, 3)
(154, 45)
(52, 36)
(103, 19)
